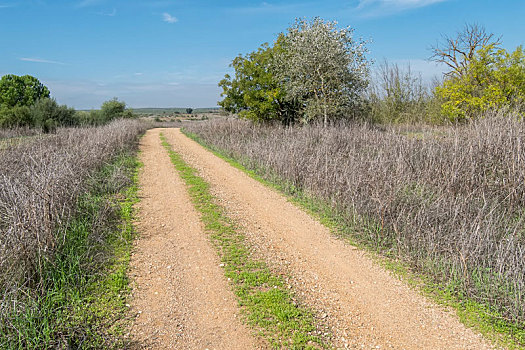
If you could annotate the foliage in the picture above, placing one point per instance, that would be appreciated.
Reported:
(255, 93)
(18, 116)
(47, 115)
(114, 109)
(21, 90)
(25, 102)
(189, 110)
(83, 299)
(42, 182)
(314, 71)
(494, 79)
(323, 68)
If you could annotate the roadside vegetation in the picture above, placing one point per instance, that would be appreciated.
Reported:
(26, 103)
(318, 72)
(431, 175)
(264, 298)
(447, 203)
(65, 204)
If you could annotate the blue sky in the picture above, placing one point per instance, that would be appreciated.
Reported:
(172, 53)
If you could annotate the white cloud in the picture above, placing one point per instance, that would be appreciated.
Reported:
(39, 60)
(372, 8)
(166, 17)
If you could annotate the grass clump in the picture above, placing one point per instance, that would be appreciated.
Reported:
(264, 298)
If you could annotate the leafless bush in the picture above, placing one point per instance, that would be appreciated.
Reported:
(40, 182)
(451, 202)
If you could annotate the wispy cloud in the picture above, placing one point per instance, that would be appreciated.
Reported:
(266, 8)
(5, 6)
(110, 14)
(39, 60)
(166, 17)
(371, 8)
(87, 3)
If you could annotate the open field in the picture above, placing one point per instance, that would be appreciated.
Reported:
(174, 110)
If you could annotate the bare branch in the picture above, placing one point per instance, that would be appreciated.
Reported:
(458, 52)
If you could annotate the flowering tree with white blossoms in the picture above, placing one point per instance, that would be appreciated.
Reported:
(323, 68)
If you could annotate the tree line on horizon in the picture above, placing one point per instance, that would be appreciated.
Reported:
(26, 102)
(316, 71)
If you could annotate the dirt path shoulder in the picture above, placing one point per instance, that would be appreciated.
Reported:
(365, 306)
(180, 296)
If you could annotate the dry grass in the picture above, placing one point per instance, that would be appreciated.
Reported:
(40, 183)
(449, 201)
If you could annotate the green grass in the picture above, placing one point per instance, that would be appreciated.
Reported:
(82, 300)
(264, 298)
(476, 315)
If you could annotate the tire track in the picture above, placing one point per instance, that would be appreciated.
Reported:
(181, 299)
(364, 304)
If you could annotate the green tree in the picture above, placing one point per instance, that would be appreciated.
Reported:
(114, 109)
(494, 78)
(254, 92)
(18, 116)
(21, 90)
(189, 110)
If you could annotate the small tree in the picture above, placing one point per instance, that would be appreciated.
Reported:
(17, 116)
(21, 91)
(113, 109)
(189, 110)
(255, 93)
(323, 68)
(493, 79)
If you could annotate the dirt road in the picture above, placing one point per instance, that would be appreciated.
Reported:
(180, 296)
(364, 304)
(185, 302)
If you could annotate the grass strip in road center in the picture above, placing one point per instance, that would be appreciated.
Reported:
(263, 296)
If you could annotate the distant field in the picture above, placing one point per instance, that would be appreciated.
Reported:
(160, 111)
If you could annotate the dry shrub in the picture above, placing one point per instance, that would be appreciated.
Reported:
(451, 202)
(40, 182)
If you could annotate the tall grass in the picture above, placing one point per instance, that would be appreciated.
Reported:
(452, 203)
(45, 210)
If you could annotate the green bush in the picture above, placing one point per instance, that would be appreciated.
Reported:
(495, 78)
(47, 115)
(15, 117)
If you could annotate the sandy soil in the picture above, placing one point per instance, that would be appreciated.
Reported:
(365, 305)
(181, 298)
